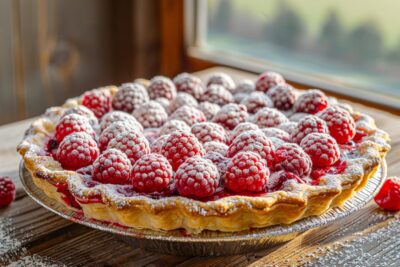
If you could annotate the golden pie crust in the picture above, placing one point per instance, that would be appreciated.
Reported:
(232, 213)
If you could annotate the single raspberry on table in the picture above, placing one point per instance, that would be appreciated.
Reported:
(245, 86)
(292, 158)
(132, 143)
(151, 115)
(161, 86)
(219, 160)
(322, 149)
(83, 111)
(174, 125)
(243, 127)
(256, 101)
(129, 96)
(209, 131)
(156, 146)
(190, 84)
(311, 101)
(307, 125)
(277, 180)
(209, 109)
(190, 115)
(231, 115)
(180, 100)
(98, 101)
(268, 80)
(223, 79)
(197, 177)
(214, 146)
(151, 173)
(115, 116)
(388, 197)
(7, 191)
(77, 150)
(275, 132)
(340, 123)
(217, 94)
(73, 123)
(269, 117)
(283, 96)
(112, 131)
(112, 167)
(180, 146)
(246, 172)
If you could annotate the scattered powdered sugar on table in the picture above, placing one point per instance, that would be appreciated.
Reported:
(9, 246)
(35, 260)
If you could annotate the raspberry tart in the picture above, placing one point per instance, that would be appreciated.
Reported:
(199, 161)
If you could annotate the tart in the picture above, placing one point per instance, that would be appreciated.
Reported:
(181, 154)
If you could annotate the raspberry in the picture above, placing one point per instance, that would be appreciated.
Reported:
(190, 84)
(77, 150)
(245, 87)
(275, 132)
(151, 115)
(231, 115)
(73, 123)
(269, 117)
(190, 115)
(239, 97)
(151, 173)
(277, 142)
(218, 160)
(163, 102)
(283, 96)
(340, 123)
(388, 197)
(322, 149)
(268, 80)
(246, 172)
(98, 101)
(161, 86)
(209, 109)
(130, 96)
(256, 101)
(288, 126)
(112, 131)
(83, 111)
(214, 146)
(7, 191)
(112, 167)
(311, 102)
(180, 100)
(223, 79)
(180, 146)
(174, 125)
(278, 180)
(217, 94)
(156, 146)
(307, 125)
(132, 143)
(254, 141)
(243, 127)
(290, 157)
(197, 177)
(115, 116)
(209, 131)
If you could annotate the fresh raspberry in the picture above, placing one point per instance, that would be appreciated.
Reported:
(312, 101)
(157, 145)
(269, 117)
(218, 160)
(268, 80)
(209, 109)
(243, 127)
(180, 100)
(254, 141)
(151, 115)
(277, 142)
(163, 102)
(161, 86)
(7, 191)
(388, 197)
(129, 96)
(307, 125)
(209, 131)
(283, 96)
(197, 177)
(217, 94)
(132, 143)
(288, 127)
(245, 87)
(112, 131)
(296, 117)
(115, 116)
(290, 157)
(246, 172)
(98, 101)
(278, 180)
(340, 123)
(231, 115)
(77, 150)
(214, 146)
(190, 115)
(83, 111)
(112, 167)
(322, 149)
(151, 173)
(223, 79)
(174, 125)
(179, 147)
(73, 123)
(190, 84)
(277, 133)
(256, 101)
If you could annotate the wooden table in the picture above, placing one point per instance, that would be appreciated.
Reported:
(30, 233)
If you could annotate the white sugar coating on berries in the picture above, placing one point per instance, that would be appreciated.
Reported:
(190, 84)
(180, 100)
(209, 131)
(223, 79)
(217, 94)
(151, 115)
(256, 101)
(112, 131)
(269, 117)
(83, 111)
(307, 125)
(112, 167)
(215, 146)
(243, 127)
(163, 102)
(283, 96)
(115, 116)
(346, 107)
(277, 142)
(245, 86)
(151, 173)
(282, 180)
(174, 125)
(219, 160)
(129, 96)
(238, 97)
(288, 126)
(73, 123)
(322, 149)
(197, 177)
(231, 115)
(161, 86)
(277, 133)
(312, 101)
(190, 115)
(7, 192)
(292, 158)
(268, 80)
(156, 146)
(296, 117)
(209, 109)
(132, 143)
(98, 101)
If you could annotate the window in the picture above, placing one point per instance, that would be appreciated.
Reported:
(351, 47)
